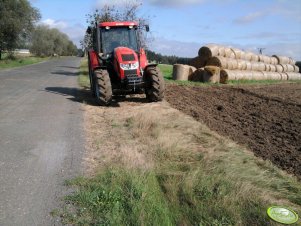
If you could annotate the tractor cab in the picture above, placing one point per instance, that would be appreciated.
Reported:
(115, 35)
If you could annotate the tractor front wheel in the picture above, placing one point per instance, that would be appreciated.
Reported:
(103, 88)
(154, 84)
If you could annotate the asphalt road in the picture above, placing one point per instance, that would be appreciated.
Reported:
(41, 140)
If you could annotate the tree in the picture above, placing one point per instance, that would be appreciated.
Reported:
(127, 12)
(17, 19)
(48, 42)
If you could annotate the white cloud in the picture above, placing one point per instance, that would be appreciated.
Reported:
(75, 32)
(172, 3)
(100, 3)
(250, 18)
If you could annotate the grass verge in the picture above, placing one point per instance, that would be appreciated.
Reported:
(83, 78)
(20, 61)
(152, 165)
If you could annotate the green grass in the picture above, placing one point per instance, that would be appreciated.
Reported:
(197, 178)
(20, 61)
(83, 78)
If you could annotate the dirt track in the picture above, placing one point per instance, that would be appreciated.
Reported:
(266, 118)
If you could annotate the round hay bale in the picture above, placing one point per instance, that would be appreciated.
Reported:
(261, 58)
(237, 53)
(208, 51)
(255, 66)
(232, 64)
(226, 75)
(282, 59)
(197, 75)
(293, 76)
(181, 72)
(267, 67)
(229, 53)
(279, 68)
(290, 68)
(283, 76)
(241, 65)
(212, 74)
(248, 56)
(248, 66)
(261, 66)
(274, 76)
(257, 75)
(284, 66)
(254, 57)
(197, 62)
(218, 61)
(296, 69)
(274, 60)
(273, 68)
(221, 51)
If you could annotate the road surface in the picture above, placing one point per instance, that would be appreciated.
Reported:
(41, 139)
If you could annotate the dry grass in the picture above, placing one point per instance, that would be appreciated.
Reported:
(197, 176)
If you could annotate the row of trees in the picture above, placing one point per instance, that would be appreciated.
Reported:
(49, 42)
(159, 58)
(18, 30)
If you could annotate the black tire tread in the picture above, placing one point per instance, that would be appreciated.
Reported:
(104, 87)
(154, 84)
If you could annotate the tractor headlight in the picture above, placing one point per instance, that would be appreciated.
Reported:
(133, 66)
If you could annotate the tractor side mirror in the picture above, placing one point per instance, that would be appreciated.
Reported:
(89, 30)
(147, 28)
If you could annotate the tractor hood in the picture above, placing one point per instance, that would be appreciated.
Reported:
(125, 55)
(126, 61)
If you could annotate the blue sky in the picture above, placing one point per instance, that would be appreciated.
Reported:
(181, 27)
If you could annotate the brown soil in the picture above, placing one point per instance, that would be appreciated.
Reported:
(266, 118)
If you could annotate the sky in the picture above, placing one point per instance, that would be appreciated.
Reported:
(181, 27)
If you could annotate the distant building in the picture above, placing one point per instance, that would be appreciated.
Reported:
(24, 52)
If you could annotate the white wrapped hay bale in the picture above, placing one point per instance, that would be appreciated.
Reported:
(284, 76)
(254, 57)
(248, 56)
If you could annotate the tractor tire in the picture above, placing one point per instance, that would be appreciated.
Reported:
(154, 84)
(92, 88)
(103, 88)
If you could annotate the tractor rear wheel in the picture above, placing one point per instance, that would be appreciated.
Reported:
(154, 88)
(103, 88)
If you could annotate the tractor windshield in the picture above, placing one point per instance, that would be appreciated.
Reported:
(117, 37)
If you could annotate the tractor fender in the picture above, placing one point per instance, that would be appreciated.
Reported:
(93, 61)
(150, 65)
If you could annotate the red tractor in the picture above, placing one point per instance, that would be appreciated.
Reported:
(118, 65)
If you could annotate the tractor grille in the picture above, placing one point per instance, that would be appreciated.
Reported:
(128, 57)
(130, 72)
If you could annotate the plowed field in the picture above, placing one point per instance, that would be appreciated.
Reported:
(265, 118)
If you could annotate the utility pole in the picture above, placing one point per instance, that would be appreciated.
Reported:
(260, 50)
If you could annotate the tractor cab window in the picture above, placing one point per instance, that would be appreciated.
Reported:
(117, 37)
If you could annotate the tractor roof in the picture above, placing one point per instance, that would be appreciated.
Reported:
(118, 24)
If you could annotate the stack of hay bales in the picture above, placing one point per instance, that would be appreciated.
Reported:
(235, 64)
